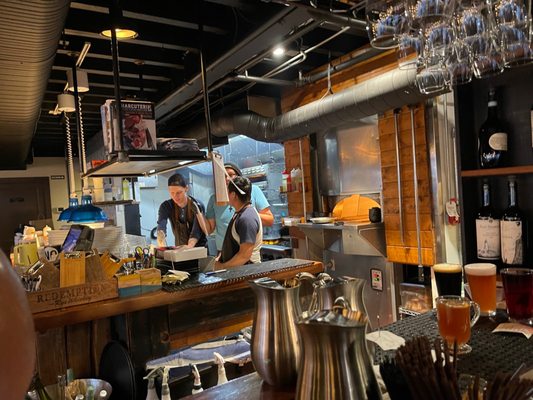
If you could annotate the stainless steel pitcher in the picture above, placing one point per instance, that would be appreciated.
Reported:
(275, 341)
(335, 362)
(327, 289)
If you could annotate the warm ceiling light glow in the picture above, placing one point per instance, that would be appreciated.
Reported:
(278, 51)
(122, 34)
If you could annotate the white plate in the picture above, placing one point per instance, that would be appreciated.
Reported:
(322, 220)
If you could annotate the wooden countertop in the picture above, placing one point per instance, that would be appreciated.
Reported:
(107, 308)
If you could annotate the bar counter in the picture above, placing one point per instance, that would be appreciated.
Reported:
(152, 325)
(491, 352)
(229, 281)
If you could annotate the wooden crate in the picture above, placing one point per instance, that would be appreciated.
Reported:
(52, 299)
(150, 279)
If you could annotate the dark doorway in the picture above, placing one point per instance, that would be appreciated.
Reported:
(21, 200)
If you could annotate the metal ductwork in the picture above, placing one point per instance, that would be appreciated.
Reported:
(387, 91)
(30, 31)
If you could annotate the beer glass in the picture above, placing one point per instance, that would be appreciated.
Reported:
(448, 278)
(482, 281)
(386, 20)
(453, 315)
(518, 288)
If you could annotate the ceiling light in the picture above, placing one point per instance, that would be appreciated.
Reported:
(278, 51)
(122, 33)
(122, 29)
(83, 81)
(65, 102)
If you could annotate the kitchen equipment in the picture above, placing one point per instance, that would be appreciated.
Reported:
(117, 369)
(275, 343)
(322, 220)
(327, 289)
(353, 208)
(335, 361)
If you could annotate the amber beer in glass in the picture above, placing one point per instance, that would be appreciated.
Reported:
(482, 281)
(448, 278)
(453, 315)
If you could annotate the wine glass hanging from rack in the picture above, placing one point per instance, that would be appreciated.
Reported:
(450, 41)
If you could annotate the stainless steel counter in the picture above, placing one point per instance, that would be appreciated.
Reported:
(366, 239)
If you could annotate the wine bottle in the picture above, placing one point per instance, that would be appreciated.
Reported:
(512, 231)
(487, 229)
(492, 141)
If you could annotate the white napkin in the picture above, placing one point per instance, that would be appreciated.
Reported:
(386, 340)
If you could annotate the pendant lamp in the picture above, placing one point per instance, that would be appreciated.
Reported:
(83, 81)
(73, 200)
(65, 102)
(122, 29)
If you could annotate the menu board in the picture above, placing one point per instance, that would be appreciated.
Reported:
(138, 125)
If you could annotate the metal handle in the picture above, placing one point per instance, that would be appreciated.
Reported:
(398, 171)
(417, 212)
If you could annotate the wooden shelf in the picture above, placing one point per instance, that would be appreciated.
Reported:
(518, 170)
(107, 308)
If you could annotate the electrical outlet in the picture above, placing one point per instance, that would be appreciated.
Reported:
(376, 279)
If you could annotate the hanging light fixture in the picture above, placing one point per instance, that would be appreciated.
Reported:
(86, 212)
(122, 29)
(73, 199)
(82, 78)
(453, 40)
(65, 103)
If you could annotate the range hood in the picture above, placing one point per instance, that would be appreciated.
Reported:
(362, 239)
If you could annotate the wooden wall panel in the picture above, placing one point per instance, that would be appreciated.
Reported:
(295, 199)
(406, 251)
(79, 349)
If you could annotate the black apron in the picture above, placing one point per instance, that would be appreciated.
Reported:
(182, 230)
(230, 246)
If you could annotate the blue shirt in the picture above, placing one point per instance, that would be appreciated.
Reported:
(222, 214)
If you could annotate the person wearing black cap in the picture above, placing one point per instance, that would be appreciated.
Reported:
(182, 211)
(219, 216)
(243, 238)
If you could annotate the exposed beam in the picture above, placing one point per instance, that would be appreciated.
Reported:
(110, 73)
(126, 59)
(149, 18)
(107, 85)
(139, 42)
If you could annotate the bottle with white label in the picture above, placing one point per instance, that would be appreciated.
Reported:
(487, 229)
(492, 140)
(512, 231)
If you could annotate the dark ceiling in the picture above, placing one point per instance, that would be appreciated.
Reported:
(238, 38)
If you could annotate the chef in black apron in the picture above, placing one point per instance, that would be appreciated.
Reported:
(181, 210)
(242, 242)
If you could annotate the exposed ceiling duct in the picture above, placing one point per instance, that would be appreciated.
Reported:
(387, 91)
(30, 31)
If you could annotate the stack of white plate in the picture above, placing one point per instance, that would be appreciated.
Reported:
(56, 237)
(109, 238)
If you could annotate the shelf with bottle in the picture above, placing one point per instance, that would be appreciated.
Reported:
(501, 237)
(502, 171)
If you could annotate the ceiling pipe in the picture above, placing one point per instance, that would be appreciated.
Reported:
(30, 31)
(266, 35)
(387, 91)
(265, 81)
